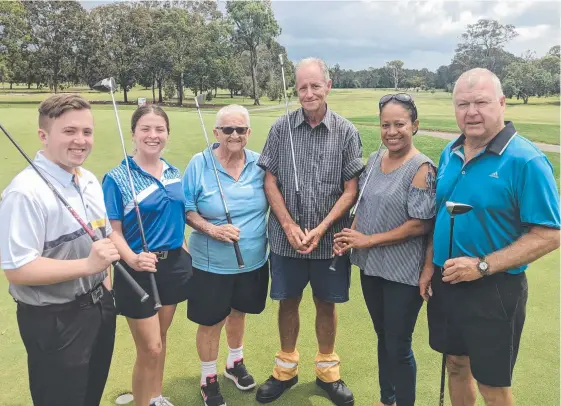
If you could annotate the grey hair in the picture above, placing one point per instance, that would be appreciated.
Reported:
(474, 75)
(231, 109)
(319, 62)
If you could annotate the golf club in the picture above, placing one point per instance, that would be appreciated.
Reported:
(109, 85)
(299, 209)
(453, 209)
(135, 286)
(333, 265)
(228, 217)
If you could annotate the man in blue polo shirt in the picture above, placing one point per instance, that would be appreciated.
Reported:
(478, 305)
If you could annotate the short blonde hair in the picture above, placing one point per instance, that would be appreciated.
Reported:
(56, 105)
(474, 75)
(231, 109)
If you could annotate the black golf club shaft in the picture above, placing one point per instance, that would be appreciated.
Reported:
(152, 278)
(443, 368)
(237, 250)
(135, 286)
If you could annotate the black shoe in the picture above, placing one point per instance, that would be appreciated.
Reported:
(338, 392)
(272, 389)
(239, 375)
(211, 392)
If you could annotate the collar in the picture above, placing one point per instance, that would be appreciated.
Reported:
(499, 142)
(53, 170)
(135, 166)
(326, 120)
(206, 154)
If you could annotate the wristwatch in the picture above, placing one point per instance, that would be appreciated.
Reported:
(483, 266)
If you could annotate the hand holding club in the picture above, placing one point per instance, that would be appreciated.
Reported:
(226, 233)
(102, 254)
(353, 239)
(461, 269)
(145, 262)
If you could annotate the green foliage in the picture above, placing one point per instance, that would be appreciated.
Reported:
(169, 90)
(525, 79)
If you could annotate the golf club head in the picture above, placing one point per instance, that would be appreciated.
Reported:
(106, 85)
(199, 100)
(281, 61)
(454, 208)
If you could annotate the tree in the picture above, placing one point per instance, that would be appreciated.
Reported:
(124, 31)
(555, 51)
(255, 25)
(482, 45)
(525, 79)
(54, 27)
(15, 36)
(394, 69)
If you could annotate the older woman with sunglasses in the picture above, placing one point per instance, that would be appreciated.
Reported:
(389, 238)
(222, 293)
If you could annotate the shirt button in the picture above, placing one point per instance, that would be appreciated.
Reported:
(463, 172)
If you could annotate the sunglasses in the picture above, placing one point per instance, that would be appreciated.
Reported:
(230, 130)
(402, 98)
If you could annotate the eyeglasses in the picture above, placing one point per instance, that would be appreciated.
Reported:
(402, 98)
(230, 130)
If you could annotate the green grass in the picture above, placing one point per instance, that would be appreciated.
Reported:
(537, 373)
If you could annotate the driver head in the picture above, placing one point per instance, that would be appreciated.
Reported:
(454, 208)
(106, 85)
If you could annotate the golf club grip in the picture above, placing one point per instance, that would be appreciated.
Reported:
(236, 246)
(130, 280)
(155, 293)
(333, 266)
(300, 210)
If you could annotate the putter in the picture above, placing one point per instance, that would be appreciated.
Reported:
(333, 265)
(135, 286)
(109, 85)
(453, 209)
(224, 203)
(299, 209)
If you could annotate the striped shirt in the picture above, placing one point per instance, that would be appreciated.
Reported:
(388, 201)
(326, 157)
(36, 224)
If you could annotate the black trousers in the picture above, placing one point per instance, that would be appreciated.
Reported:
(69, 350)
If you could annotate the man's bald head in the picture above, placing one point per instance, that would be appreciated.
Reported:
(472, 77)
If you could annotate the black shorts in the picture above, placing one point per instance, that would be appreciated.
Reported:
(212, 296)
(482, 319)
(172, 276)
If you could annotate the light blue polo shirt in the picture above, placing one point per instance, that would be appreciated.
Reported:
(161, 203)
(511, 186)
(247, 205)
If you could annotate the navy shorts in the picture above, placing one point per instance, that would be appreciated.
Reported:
(289, 277)
(482, 319)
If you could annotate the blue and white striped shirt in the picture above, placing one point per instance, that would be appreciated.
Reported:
(161, 203)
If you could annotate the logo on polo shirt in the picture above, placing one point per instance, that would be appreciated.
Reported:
(494, 175)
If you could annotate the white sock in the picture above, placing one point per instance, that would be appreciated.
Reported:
(155, 398)
(207, 369)
(234, 354)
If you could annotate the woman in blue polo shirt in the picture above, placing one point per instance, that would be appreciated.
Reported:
(162, 206)
(221, 293)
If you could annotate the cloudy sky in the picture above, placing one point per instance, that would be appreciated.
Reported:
(424, 34)
(359, 34)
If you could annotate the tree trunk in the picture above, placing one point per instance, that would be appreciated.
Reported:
(28, 85)
(125, 94)
(11, 85)
(215, 91)
(231, 94)
(525, 98)
(160, 98)
(180, 90)
(254, 77)
(153, 91)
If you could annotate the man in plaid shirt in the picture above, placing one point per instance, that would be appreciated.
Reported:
(327, 151)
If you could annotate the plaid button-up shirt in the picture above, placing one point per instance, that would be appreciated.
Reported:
(326, 157)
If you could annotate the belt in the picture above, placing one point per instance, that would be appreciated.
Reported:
(161, 254)
(88, 299)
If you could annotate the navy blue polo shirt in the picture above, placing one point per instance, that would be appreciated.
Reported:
(161, 203)
(511, 186)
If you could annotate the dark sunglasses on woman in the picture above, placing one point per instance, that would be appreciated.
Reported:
(230, 130)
